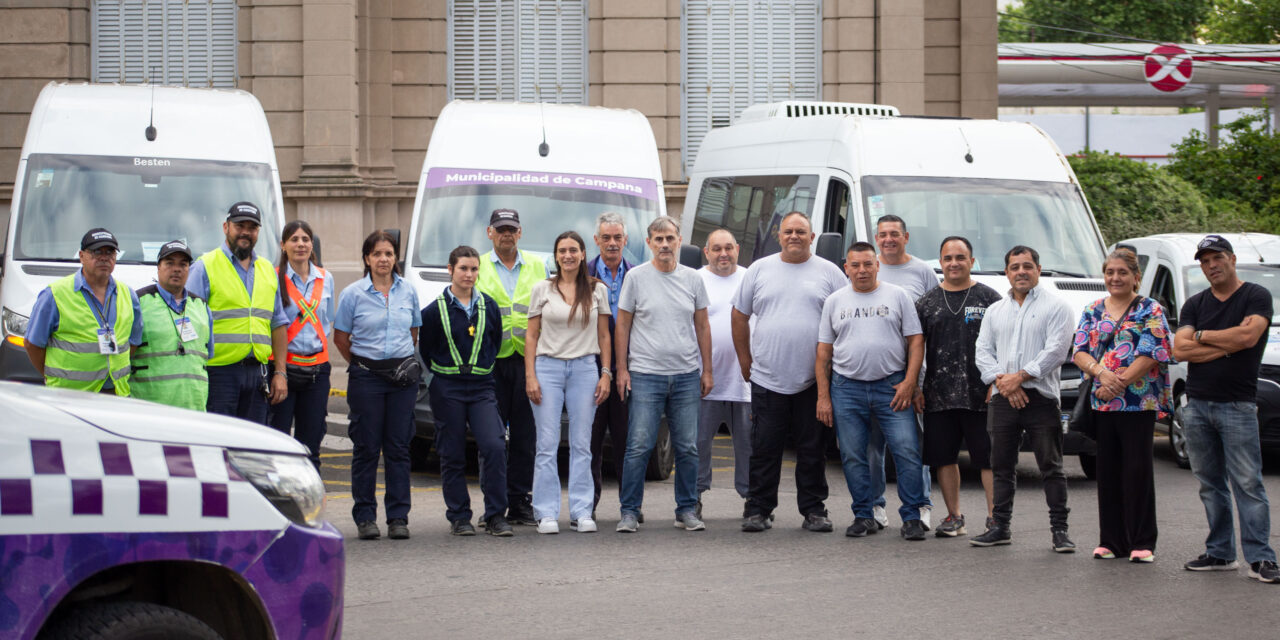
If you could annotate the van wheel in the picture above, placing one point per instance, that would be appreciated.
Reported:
(129, 621)
(663, 458)
(1089, 463)
(1178, 433)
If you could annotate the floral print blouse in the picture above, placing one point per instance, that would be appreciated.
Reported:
(1143, 332)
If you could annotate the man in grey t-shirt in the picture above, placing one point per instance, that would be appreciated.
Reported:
(870, 335)
(784, 293)
(662, 339)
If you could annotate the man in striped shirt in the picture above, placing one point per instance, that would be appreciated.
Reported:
(1023, 342)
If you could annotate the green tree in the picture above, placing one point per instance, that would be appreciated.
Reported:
(1131, 198)
(1162, 20)
(1243, 173)
(1243, 21)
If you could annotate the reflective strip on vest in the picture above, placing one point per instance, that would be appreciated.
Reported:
(239, 338)
(241, 322)
(174, 373)
(197, 353)
(171, 376)
(72, 357)
(514, 309)
(443, 306)
(229, 314)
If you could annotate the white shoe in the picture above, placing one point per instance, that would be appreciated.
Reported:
(926, 514)
(547, 525)
(583, 525)
(881, 517)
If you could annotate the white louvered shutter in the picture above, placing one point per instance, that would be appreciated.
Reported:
(743, 52)
(526, 50)
(482, 49)
(175, 42)
(553, 51)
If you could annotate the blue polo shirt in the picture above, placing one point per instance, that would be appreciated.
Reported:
(379, 326)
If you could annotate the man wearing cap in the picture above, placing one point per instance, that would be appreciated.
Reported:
(249, 323)
(507, 275)
(1222, 336)
(84, 326)
(177, 336)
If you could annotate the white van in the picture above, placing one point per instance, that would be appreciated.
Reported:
(1171, 274)
(999, 184)
(149, 163)
(559, 166)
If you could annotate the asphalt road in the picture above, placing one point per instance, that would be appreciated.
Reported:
(664, 582)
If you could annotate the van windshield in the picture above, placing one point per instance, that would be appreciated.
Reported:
(1267, 275)
(456, 204)
(995, 215)
(145, 202)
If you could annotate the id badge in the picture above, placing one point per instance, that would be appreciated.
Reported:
(185, 330)
(106, 342)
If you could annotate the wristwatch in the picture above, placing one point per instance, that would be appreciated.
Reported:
(605, 371)
(279, 373)
(1198, 334)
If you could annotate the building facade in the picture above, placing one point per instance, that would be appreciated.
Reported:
(351, 88)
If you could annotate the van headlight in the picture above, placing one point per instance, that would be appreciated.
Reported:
(15, 324)
(287, 481)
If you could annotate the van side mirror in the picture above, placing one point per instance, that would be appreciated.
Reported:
(690, 256)
(831, 247)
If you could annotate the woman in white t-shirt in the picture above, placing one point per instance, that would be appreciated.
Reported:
(568, 328)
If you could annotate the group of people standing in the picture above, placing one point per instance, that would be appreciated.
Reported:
(778, 353)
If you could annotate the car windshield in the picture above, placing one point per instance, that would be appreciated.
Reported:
(457, 202)
(145, 202)
(1267, 275)
(995, 215)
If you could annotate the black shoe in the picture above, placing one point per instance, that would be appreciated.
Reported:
(862, 527)
(1062, 543)
(697, 511)
(817, 522)
(755, 523)
(1264, 571)
(994, 535)
(498, 526)
(398, 529)
(368, 530)
(913, 530)
(1207, 562)
(461, 528)
(521, 513)
(639, 516)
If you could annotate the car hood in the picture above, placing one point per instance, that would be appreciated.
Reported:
(141, 420)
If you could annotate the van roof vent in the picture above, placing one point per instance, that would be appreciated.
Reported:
(808, 108)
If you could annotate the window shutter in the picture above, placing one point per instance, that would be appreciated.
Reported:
(526, 50)
(553, 51)
(482, 50)
(743, 52)
(176, 42)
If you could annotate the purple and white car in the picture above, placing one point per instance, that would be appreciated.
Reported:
(128, 519)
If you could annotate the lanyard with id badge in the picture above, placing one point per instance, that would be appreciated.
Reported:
(106, 334)
(185, 330)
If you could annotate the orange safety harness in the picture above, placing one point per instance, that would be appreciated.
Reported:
(307, 315)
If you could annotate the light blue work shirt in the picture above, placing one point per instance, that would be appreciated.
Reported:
(509, 277)
(470, 309)
(198, 283)
(178, 305)
(611, 280)
(44, 315)
(379, 326)
(307, 342)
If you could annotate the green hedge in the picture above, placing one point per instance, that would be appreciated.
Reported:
(1131, 198)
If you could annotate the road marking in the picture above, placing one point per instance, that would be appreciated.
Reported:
(336, 455)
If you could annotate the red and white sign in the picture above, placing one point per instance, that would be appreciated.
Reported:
(1168, 67)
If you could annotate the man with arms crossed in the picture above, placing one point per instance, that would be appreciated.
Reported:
(954, 398)
(1023, 342)
(784, 292)
(729, 402)
(1223, 335)
(662, 341)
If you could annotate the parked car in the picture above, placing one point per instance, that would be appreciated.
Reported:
(129, 519)
(1171, 274)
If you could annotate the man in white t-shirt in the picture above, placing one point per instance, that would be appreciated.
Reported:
(915, 276)
(729, 402)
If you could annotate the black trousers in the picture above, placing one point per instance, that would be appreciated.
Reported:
(1126, 481)
(611, 417)
(774, 416)
(1041, 420)
(522, 433)
(456, 405)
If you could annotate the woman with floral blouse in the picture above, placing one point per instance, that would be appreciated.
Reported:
(1126, 348)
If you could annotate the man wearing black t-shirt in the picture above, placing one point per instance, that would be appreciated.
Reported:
(954, 398)
(1223, 335)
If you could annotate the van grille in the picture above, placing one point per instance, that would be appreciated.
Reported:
(45, 270)
(1080, 286)
(807, 108)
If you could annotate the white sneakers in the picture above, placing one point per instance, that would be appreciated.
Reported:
(583, 525)
(880, 516)
(548, 525)
(926, 515)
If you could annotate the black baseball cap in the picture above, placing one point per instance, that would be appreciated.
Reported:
(174, 246)
(504, 218)
(98, 238)
(244, 211)
(1214, 243)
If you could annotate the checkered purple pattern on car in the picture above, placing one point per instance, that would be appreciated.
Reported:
(47, 459)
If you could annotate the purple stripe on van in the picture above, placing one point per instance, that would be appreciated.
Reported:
(213, 499)
(179, 461)
(115, 458)
(153, 497)
(86, 497)
(46, 457)
(449, 177)
(15, 497)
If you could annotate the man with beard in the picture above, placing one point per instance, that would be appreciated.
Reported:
(249, 323)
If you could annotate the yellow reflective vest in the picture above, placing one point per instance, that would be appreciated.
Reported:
(73, 359)
(514, 309)
(241, 324)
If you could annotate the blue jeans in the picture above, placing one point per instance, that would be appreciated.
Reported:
(381, 424)
(236, 390)
(1222, 442)
(571, 385)
(651, 396)
(875, 456)
(854, 404)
